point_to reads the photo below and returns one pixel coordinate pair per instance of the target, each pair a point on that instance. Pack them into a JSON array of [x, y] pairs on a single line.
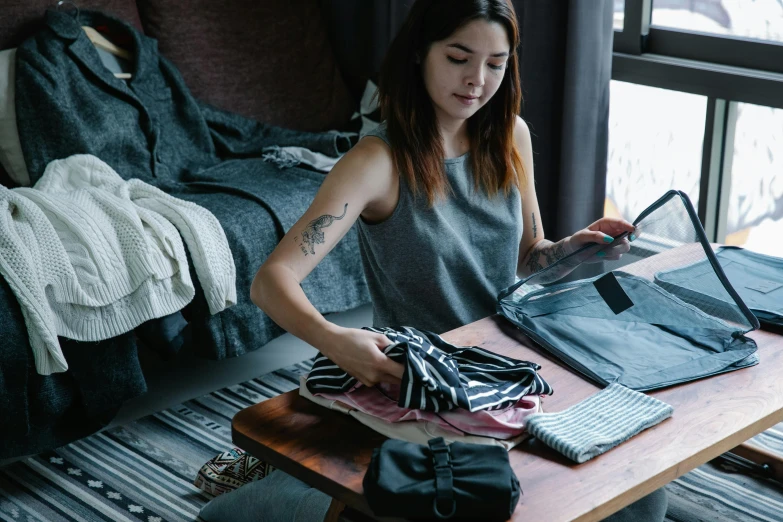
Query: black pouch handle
[[444, 505]]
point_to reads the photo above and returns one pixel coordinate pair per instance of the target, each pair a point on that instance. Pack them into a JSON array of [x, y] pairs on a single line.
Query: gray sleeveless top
[[442, 267]]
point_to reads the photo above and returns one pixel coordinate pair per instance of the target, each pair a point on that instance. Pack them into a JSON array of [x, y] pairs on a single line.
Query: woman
[[443, 193]]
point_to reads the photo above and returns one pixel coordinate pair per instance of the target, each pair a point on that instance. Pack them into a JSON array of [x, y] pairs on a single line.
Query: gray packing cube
[[758, 279], [612, 322]]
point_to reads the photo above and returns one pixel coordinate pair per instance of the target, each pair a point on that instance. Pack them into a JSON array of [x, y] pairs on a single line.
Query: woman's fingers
[[394, 369], [603, 233], [595, 237], [612, 226], [618, 247], [602, 238], [391, 379], [615, 251]]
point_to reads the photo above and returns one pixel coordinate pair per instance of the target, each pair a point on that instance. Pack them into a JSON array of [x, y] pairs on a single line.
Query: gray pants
[[651, 508], [282, 498], [278, 497]]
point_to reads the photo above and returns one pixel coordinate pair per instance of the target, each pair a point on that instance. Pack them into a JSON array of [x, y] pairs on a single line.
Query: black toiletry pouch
[[439, 481]]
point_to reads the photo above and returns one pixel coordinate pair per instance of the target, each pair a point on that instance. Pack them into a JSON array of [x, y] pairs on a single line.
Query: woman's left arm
[[535, 251]]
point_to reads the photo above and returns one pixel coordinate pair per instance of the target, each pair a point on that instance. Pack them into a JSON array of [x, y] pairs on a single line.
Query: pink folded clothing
[[381, 402]]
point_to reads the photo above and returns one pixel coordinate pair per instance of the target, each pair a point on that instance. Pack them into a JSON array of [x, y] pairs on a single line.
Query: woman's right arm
[[362, 182]]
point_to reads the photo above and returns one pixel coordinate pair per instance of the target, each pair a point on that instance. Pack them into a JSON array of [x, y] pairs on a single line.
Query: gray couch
[[269, 62]]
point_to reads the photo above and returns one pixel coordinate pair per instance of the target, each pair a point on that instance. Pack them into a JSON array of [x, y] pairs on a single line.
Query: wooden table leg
[[335, 510], [772, 463]]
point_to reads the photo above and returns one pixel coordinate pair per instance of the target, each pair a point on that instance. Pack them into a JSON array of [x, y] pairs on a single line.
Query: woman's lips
[[466, 100]]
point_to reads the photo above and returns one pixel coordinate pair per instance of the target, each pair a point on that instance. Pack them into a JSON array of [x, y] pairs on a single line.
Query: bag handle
[[444, 479]]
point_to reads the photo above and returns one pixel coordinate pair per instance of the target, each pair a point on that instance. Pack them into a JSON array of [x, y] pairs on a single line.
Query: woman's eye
[[454, 60], [497, 67]]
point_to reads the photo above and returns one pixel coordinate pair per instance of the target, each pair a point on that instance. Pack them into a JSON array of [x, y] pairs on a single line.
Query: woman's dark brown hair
[[406, 106]]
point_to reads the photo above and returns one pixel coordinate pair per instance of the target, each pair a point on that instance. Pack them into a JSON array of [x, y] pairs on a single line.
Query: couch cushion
[[21, 18], [270, 60]]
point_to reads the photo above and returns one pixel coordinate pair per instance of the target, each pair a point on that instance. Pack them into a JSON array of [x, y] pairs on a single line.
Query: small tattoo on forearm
[[532, 263], [553, 253], [549, 253], [535, 228], [313, 233]]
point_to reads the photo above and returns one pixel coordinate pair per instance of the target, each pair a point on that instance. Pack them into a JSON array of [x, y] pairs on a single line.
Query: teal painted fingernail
[[608, 239], [633, 236], [601, 254]]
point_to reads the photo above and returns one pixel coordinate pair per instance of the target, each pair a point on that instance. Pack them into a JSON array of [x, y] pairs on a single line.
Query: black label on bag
[[613, 293]]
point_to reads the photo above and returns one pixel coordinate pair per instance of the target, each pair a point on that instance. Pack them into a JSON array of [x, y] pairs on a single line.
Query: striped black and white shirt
[[440, 376]]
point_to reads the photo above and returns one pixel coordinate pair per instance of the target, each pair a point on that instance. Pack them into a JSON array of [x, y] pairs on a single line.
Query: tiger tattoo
[[313, 235]]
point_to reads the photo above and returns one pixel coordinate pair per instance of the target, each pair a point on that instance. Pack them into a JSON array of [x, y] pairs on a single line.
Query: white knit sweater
[[90, 256]]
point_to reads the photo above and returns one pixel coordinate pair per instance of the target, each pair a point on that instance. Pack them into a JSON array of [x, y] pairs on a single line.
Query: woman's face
[[464, 71]]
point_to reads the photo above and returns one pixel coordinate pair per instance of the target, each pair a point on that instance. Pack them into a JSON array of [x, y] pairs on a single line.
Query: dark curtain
[[565, 66], [360, 31]]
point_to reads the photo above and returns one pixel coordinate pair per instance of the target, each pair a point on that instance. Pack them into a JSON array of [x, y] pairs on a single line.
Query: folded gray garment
[[278, 497], [598, 423]]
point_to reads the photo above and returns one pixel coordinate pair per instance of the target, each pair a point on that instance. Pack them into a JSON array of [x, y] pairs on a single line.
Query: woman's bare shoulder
[[521, 133], [368, 165], [373, 150]]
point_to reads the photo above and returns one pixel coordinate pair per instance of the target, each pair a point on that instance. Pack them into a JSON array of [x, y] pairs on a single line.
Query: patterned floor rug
[[144, 471]]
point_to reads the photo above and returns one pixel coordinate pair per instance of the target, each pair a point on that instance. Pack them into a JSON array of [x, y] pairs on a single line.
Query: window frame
[[725, 69]]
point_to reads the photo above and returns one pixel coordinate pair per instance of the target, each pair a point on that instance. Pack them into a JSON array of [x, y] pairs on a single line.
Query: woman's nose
[[475, 77]]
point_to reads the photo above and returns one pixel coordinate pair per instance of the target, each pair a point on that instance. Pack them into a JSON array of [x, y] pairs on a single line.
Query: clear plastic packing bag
[[620, 324]]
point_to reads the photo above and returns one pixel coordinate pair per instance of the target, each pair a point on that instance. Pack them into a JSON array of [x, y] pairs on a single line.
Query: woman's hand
[[602, 232], [360, 353]]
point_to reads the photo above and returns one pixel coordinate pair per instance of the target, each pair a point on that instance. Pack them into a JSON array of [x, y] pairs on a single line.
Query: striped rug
[[144, 471]]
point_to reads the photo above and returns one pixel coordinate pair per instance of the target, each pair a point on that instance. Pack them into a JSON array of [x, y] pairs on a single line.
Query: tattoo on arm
[[533, 264], [535, 228], [550, 252], [313, 233], [546, 253], [553, 253]]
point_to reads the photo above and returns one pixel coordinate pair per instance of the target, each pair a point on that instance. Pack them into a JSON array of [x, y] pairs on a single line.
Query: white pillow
[[369, 112], [10, 148]]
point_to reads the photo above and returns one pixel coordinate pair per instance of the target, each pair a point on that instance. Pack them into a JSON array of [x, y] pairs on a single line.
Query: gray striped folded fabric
[[598, 423]]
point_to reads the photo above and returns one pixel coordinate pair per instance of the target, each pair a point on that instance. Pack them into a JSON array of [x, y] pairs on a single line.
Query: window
[[655, 145], [755, 203], [697, 105], [757, 19], [619, 14]]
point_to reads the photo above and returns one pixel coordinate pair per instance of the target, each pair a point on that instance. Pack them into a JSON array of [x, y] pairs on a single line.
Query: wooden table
[[331, 451]]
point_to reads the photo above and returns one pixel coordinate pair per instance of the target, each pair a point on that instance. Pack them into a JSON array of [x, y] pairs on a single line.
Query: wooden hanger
[[100, 41]]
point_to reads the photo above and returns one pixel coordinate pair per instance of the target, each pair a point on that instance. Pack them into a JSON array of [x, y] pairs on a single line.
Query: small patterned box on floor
[[230, 470]]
